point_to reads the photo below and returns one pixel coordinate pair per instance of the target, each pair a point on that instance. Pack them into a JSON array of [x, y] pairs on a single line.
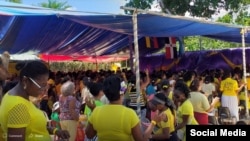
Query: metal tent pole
[[131, 54], [243, 32], [137, 69]]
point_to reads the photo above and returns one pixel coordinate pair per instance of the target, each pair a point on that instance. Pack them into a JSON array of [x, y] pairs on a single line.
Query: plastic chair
[[212, 120], [225, 116]]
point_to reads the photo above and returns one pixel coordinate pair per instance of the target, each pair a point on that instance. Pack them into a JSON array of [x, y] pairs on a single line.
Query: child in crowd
[[55, 120]]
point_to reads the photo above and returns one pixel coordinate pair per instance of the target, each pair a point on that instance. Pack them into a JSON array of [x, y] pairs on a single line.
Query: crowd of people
[[90, 105]]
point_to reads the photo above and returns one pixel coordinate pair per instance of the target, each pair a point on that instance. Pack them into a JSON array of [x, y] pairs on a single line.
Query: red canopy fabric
[[90, 59]]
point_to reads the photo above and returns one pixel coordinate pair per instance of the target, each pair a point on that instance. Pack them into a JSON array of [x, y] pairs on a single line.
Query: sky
[[100, 6]]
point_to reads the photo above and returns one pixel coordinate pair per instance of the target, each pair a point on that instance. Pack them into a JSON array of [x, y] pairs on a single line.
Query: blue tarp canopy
[[24, 28]]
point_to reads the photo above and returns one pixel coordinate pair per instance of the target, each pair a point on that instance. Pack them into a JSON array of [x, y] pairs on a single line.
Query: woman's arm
[[16, 134], [147, 81], [149, 130], [90, 131], [124, 77], [137, 134], [184, 122], [164, 136], [212, 105], [63, 134], [241, 87], [163, 120]]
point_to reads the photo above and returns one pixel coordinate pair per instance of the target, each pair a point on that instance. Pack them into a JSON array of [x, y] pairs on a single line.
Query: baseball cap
[[165, 84], [55, 106]]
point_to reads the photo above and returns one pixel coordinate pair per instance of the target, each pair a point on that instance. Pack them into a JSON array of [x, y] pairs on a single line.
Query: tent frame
[[243, 35]]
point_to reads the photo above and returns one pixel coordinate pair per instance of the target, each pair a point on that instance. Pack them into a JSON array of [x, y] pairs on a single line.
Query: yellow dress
[[17, 112]]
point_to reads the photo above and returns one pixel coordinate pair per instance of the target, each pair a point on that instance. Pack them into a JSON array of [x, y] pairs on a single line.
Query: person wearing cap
[[165, 129], [55, 120], [55, 115], [167, 89]]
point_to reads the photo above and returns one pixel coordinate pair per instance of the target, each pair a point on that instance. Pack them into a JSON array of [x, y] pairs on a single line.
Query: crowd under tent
[[72, 33]]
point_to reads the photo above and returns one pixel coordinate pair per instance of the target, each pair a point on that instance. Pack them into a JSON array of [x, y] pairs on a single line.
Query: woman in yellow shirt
[[20, 119], [230, 89], [185, 110], [164, 130], [118, 123], [200, 102]]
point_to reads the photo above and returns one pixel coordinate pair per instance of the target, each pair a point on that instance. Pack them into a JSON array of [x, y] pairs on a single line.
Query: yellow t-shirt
[[248, 83], [217, 105], [216, 80], [199, 101], [248, 103], [229, 87], [169, 124], [17, 112], [242, 96], [114, 122], [58, 89], [170, 95], [188, 83], [186, 108]]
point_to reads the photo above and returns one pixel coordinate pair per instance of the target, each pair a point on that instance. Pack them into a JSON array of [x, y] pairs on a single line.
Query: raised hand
[[62, 134], [90, 103]]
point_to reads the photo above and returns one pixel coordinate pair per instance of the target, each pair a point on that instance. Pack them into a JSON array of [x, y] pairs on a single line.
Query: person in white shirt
[[85, 93], [208, 87]]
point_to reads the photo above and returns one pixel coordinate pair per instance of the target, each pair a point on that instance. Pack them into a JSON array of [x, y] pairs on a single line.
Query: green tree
[[197, 8], [54, 4], [14, 1], [243, 18], [226, 19], [141, 4], [201, 8], [195, 43]]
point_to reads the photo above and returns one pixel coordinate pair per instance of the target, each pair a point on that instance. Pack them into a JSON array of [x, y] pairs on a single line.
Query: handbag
[[80, 135]]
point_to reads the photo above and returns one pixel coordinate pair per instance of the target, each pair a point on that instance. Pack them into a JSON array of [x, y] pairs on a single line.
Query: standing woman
[[200, 102], [69, 109], [20, 119], [230, 89], [113, 121], [185, 111]]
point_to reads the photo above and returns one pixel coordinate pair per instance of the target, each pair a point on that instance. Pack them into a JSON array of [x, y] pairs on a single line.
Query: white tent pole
[[243, 32], [137, 69], [131, 52]]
